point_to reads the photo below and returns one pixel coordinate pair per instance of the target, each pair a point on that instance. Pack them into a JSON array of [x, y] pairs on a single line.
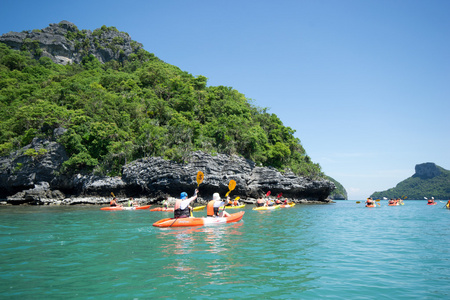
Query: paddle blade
[[200, 177], [279, 195], [237, 198], [378, 200], [357, 202], [232, 185], [268, 194], [112, 194]]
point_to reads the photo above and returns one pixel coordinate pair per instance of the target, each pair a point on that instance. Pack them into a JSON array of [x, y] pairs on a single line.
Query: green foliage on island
[[339, 193], [416, 188], [118, 112]]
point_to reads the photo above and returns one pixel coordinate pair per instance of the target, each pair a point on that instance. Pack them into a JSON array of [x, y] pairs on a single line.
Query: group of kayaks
[[396, 203], [194, 221], [274, 207]]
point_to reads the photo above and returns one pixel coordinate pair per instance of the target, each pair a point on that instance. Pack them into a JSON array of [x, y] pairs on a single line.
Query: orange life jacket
[[210, 208]]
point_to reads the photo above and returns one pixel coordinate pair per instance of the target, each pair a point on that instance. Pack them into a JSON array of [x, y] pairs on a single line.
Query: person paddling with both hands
[[182, 208]]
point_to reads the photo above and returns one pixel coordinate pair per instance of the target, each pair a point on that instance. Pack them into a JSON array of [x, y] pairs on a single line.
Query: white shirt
[[185, 203], [219, 203]]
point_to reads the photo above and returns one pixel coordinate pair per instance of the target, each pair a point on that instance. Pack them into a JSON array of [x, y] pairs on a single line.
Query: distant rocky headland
[[28, 179], [429, 180]]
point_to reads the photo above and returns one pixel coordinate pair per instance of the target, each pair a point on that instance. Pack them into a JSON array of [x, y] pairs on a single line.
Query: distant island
[[429, 180]]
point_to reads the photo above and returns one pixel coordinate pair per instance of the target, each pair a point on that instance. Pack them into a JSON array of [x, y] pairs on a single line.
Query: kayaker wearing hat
[[212, 209], [182, 208]]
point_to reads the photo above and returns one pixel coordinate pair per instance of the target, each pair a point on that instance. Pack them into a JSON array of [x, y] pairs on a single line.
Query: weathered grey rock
[[40, 194], [105, 45], [427, 170], [20, 171], [154, 175], [37, 180]]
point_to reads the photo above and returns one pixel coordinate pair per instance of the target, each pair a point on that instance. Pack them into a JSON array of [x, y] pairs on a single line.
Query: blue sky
[[365, 84]]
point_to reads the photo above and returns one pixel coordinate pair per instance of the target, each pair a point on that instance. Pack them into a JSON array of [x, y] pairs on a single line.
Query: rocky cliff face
[[64, 43], [427, 170], [35, 180]]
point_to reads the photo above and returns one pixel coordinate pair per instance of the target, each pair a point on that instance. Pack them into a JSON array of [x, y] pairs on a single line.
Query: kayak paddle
[[231, 187], [200, 177]]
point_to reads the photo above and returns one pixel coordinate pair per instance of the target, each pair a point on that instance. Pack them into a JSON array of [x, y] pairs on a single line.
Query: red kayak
[[125, 207], [188, 222], [433, 203], [162, 209]]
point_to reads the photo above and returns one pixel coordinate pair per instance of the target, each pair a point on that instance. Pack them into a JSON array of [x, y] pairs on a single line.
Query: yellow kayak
[[235, 207], [267, 207]]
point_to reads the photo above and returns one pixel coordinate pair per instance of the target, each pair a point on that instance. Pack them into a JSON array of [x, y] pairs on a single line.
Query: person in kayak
[[131, 202], [369, 201], [431, 201], [235, 202], [182, 208], [259, 202], [213, 206], [114, 203], [165, 203]]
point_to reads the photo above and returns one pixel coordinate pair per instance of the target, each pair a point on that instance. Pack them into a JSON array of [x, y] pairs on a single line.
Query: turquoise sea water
[[337, 251]]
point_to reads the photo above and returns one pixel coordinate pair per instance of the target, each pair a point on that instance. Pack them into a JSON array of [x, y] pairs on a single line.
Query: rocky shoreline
[[149, 180], [104, 201]]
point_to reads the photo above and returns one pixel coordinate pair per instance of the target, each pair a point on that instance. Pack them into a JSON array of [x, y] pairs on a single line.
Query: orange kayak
[[433, 203], [125, 207], [162, 209], [188, 222]]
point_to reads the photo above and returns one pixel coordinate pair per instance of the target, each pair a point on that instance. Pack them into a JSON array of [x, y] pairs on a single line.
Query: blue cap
[[183, 195]]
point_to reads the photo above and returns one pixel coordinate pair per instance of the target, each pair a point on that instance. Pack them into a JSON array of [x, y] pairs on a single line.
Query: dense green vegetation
[[339, 191], [121, 111], [417, 188]]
